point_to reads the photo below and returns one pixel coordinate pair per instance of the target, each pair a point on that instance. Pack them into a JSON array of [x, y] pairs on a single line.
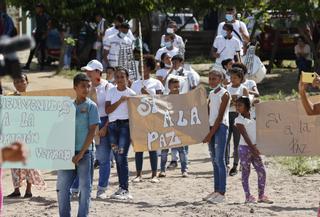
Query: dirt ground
[[173, 196]]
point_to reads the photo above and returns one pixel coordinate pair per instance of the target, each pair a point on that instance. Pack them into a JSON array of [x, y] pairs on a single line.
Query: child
[[118, 128], [165, 67], [249, 152], [150, 86], [226, 65], [87, 120], [174, 88], [110, 74], [31, 176], [235, 89], [219, 100]]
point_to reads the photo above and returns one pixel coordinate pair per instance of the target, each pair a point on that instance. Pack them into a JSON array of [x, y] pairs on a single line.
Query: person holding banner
[[118, 128], [87, 120], [174, 86], [311, 108], [100, 87], [15, 152], [219, 100], [148, 86], [31, 176]]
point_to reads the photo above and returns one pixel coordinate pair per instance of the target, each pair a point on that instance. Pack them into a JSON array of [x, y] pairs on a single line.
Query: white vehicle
[[179, 18]]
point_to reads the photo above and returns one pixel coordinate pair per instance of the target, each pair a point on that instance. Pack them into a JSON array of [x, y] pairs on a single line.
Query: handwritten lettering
[[296, 147], [28, 138], [273, 118], [53, 154]]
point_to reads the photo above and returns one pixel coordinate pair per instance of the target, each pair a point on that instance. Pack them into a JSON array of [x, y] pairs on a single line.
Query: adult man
[[42, 20], [240, 30], [101, 28], [113, 44], [119, 19], [226, 46], [177, 41]]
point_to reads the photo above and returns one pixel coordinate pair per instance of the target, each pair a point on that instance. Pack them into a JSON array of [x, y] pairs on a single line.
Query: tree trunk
[[273, 51]]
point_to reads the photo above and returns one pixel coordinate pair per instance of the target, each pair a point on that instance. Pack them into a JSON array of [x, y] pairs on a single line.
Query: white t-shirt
[[227, 48], [214, 106], [178, 41], [162, 72], [249, 84], [235, 92], [113, 44], [112, 30], [121, 112], [250, 125], [304, 50], [236, 26], [101, 91], [162, 50], [152, 85]]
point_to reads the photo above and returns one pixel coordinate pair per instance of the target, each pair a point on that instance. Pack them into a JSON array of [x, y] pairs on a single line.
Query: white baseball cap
[[93, 65]]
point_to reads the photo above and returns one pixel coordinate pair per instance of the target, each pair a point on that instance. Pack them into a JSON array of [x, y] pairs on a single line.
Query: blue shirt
[[86, 115]]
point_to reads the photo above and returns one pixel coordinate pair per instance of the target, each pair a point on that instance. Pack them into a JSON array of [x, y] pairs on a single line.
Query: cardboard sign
[[285, 129], [45, 124], [55, 92], [161, 122]]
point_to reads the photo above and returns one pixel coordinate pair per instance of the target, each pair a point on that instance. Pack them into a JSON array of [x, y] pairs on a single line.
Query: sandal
[[14, 195]]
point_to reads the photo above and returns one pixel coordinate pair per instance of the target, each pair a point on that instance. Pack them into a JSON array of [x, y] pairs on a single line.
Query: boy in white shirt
[[178, 41], [240, 30], [112, 45], [226, 46], [168, 48]]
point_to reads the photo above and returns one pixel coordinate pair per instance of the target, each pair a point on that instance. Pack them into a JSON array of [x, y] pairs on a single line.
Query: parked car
[[180, 18]]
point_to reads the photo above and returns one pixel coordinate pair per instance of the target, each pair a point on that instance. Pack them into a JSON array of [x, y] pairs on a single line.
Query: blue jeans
[[174, 153], [64, 183], [217, 148], [103, 151], [119, 139], [182, 154], [153, 161], [67, 56]]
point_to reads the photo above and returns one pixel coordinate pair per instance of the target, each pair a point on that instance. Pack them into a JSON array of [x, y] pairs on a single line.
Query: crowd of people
[[102, 116]]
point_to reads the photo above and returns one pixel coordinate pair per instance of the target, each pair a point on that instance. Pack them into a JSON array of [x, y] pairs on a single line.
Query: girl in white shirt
[[219, 100], [236, 89], [118, 129], [165, 67], [248, 151]]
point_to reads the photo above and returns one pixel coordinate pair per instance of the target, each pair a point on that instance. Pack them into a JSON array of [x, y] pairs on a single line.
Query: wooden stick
[[141, 53]]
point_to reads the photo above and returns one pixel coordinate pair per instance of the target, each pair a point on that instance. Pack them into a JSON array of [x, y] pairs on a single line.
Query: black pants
[[40, 44], [236, 139]]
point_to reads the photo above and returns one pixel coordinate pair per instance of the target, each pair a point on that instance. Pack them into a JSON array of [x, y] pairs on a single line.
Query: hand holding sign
[[16, 152]]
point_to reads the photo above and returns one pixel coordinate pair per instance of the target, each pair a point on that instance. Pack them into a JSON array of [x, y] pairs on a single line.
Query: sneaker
[[137, 179], [211, 195], [172, 165], [185, 175], [101, 194], [162, 174], [112, 164], [233, 171], [251, 199], [123, 195], [219, 198], [96, 164], [115, 194], [155, 180], [265, 199]]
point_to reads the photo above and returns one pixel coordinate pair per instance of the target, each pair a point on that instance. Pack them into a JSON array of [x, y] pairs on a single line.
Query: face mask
[[168, 44], [229, 17], [224, 33], [168, 66], [122, 35], [170, 30]]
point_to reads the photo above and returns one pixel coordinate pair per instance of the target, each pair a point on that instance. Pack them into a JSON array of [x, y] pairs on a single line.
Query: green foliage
[[70, 41], [68, 73], [300, 166]]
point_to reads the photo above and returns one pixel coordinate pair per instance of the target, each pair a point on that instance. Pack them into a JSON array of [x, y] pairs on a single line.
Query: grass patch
[[300, 166], [200, 60]]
